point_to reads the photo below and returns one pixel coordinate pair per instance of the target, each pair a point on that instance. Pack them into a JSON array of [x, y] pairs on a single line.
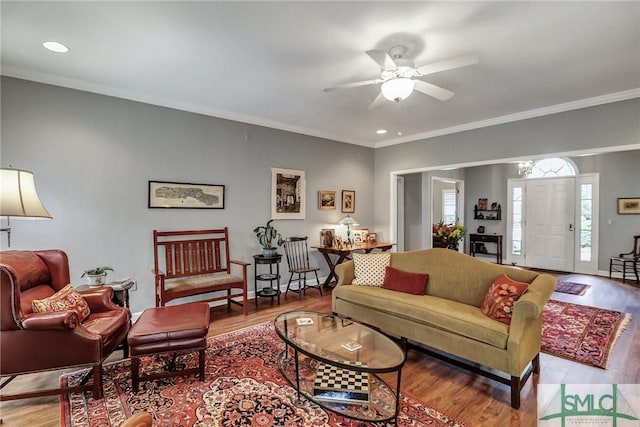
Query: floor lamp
[[18, 198]]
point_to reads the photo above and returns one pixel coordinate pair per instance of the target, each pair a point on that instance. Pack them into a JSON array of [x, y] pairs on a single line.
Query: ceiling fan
[[399, 76]]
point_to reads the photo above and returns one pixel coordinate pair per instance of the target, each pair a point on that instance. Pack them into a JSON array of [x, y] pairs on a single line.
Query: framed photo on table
[[348, 201], [360, 235]]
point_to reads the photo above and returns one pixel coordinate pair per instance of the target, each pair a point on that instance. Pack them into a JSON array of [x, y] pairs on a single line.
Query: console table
[[343, 254], [475, 239]]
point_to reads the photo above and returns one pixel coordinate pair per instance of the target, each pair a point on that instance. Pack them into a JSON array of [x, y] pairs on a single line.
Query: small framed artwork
[[178, 195], [287, 194], [326, 237], [360, 235], [326, 200], [629, 206], [348, 201], [373, 237]]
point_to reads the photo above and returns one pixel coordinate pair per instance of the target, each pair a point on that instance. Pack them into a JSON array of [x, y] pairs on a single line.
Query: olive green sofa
[[448, 316]]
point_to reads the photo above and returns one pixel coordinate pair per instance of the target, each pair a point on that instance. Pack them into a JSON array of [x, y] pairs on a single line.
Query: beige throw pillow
[[370, 268]]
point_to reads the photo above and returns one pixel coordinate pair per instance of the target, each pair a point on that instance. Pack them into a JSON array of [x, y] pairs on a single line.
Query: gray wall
[[93, 155], [608, 126]]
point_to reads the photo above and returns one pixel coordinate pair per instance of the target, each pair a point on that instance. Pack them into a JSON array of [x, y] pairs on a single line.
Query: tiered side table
[[270, 291]]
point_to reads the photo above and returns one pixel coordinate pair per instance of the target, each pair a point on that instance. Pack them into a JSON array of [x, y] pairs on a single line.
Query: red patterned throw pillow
[[502, 296], [404, 281], [65, 299]]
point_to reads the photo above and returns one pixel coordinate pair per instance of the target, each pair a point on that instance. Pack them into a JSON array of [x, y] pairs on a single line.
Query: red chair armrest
[[99, 299], [50, 320]]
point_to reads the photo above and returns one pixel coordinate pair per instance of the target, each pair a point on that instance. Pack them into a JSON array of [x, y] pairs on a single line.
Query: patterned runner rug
[[243, 386], [580, 333], [572, 288]]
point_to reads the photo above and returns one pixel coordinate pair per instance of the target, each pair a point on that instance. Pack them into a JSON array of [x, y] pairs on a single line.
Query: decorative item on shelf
[[449, 234], [96, 276], [483, 203], [349, 221], [481, 229], [18, 198], [267, 236]]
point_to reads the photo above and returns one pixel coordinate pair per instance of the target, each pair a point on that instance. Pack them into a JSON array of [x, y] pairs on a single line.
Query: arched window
[[551, 167]]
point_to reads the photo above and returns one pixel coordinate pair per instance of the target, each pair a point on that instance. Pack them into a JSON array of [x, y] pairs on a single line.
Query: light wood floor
[[471, 398]]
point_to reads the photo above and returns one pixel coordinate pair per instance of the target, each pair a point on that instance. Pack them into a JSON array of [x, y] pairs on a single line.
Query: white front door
[[549, 230]]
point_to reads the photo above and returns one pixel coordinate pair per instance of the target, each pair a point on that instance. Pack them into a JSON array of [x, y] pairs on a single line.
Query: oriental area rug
[[572, 288], [243, 387], [580, 333]]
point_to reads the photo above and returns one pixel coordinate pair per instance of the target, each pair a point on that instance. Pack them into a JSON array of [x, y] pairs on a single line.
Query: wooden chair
[[297, 253], [627, 262], [197, 262]]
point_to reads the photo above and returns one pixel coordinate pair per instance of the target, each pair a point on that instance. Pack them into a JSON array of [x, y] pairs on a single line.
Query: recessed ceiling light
[[381, 131], [56, 47]]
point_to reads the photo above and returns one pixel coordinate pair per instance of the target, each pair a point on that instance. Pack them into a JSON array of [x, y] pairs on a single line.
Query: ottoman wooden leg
[[135, 370], [201, 359]]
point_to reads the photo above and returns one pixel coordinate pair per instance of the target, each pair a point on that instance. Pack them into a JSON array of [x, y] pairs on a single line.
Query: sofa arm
[[346, 273], [50, 320], [531, 304]]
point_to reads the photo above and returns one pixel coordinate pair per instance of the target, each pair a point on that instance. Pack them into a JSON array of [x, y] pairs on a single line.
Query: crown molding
[[509, 118]]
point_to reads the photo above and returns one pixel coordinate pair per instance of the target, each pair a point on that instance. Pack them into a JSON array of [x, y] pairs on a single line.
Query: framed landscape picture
[[326, 200], [629, 206], [180, 195], [348, 201], [287, 194]]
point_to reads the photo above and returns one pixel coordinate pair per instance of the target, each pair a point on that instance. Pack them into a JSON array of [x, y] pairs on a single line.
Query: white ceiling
[[267, 62]]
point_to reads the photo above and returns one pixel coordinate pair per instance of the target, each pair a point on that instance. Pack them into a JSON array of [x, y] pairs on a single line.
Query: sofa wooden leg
[[536, 364], [515, 392], [202, 364]]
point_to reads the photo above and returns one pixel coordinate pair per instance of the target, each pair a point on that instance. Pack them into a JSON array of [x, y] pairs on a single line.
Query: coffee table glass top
[[332, 338]]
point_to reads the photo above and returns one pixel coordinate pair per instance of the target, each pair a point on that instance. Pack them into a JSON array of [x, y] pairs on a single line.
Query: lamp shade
[[349, 221], [18, 196], [397, 89]]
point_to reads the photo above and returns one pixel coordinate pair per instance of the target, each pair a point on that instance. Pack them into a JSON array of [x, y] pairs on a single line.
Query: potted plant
[[96, 276], [266, 235]]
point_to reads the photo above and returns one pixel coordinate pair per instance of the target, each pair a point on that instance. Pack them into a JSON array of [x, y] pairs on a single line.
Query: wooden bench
[[196, 262]]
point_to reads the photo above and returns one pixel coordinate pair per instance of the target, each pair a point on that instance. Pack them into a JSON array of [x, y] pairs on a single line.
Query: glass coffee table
[[335, 362]]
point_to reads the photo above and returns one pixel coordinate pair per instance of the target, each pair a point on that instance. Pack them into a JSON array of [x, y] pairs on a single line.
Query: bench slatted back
[[190, 253]]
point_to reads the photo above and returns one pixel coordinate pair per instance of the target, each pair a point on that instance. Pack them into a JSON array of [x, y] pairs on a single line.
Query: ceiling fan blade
[[383, 59], [432, 90], [353, 84], [380, 99], [448, 64]]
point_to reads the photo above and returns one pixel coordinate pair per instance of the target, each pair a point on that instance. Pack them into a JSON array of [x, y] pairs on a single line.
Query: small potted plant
[[268, 237], [97, 275]]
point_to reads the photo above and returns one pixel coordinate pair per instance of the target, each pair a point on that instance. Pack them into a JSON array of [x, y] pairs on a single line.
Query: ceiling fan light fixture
[[397, 89]]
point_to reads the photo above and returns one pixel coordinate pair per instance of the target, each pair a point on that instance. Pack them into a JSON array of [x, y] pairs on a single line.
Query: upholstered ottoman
[[169, 329]]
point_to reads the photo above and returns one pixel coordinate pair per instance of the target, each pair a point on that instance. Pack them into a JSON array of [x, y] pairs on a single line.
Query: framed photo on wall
[[326, 200], [287, 194], [348, 201], [179, 195], [629, 206]]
